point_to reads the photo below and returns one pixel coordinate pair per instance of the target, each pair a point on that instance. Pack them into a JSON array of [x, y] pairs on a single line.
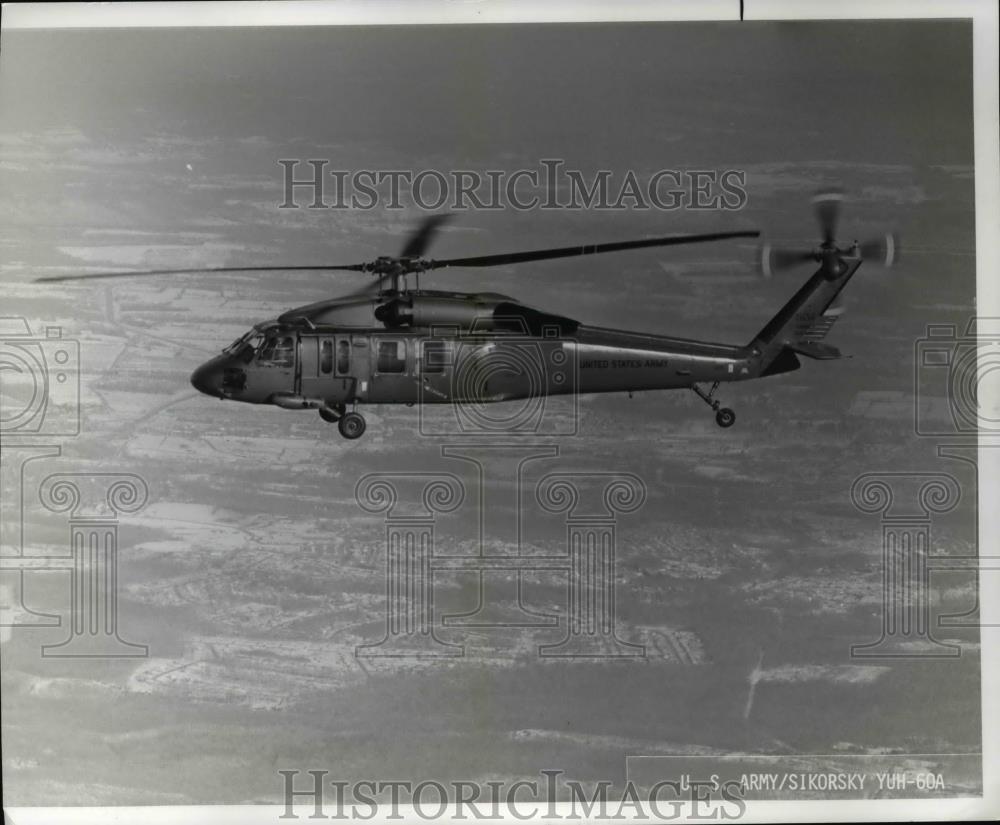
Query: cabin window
[[279, 352], [391, 356], [434, 356], [326, 356], [343, 356]]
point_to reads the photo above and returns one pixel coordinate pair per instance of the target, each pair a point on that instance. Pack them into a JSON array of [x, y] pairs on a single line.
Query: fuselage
[[441, 348]]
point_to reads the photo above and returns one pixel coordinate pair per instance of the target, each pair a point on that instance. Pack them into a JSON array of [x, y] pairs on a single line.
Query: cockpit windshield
[[245, 346], [268, 347]]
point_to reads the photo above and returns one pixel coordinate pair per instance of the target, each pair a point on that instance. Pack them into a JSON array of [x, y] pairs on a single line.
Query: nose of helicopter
[[208, 378]]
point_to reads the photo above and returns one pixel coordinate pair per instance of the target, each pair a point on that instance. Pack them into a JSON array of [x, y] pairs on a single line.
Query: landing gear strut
[[332, 414], [724, 416]]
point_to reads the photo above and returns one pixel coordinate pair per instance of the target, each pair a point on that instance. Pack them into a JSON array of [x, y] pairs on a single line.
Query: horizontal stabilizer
[[814, 349]]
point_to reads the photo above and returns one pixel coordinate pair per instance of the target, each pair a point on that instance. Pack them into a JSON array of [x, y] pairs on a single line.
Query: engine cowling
[[480, 313], [437, 311]]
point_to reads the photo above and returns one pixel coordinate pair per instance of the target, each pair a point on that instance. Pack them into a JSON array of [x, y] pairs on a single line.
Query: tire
[[328, 415], [352, 425], [725, 417]]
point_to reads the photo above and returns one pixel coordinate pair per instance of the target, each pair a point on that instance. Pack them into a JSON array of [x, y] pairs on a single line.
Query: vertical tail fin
[[803, 322]]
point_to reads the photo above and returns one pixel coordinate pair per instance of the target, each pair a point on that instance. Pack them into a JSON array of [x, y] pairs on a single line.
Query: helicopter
[[396, 343]]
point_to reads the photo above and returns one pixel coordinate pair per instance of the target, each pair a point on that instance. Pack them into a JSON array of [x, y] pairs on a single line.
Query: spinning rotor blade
[[774, 260], [421, 239], [827, 206], [199, 271], [386, 268], [884, 250], [590, 249]]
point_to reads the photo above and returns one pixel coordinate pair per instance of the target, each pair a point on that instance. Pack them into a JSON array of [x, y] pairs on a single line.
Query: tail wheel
[[725, 417], [352, 425]]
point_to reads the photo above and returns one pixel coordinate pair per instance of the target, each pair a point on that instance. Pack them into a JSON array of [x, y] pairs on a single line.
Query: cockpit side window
[[267, 351], [278, 351]]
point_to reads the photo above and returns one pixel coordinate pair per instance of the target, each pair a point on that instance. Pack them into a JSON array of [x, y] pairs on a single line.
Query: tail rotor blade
[[774, 260], [884, 250], [827, 206]]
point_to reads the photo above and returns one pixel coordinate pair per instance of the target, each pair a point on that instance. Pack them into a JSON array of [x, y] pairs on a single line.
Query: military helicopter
[[396, 343]]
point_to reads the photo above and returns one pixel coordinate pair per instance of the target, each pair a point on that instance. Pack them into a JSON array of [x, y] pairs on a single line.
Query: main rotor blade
[[199, 271], [827, 206], [590, 249], [422, 237]]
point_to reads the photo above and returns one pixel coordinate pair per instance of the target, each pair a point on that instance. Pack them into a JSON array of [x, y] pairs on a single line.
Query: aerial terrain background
[[252, 573]]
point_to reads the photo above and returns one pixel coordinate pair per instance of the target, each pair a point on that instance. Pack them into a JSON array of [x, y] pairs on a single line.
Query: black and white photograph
[[466, 413]]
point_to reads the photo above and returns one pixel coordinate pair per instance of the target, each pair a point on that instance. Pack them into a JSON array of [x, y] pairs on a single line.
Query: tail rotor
[[883, 250]]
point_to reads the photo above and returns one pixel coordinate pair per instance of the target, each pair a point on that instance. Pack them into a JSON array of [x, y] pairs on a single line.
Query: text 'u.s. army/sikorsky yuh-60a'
[[395, 343]]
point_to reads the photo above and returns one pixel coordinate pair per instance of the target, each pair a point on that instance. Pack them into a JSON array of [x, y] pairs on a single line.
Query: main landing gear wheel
[[725, 417], [352, 425], [330, 416]]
